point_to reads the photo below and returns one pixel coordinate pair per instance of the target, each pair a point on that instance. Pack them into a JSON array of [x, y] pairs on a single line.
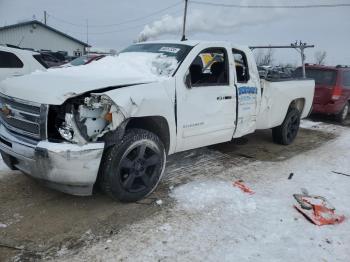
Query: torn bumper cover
[[66, 167]]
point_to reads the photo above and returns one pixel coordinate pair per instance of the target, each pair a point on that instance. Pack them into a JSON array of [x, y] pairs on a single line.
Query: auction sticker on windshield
[[173, 50]]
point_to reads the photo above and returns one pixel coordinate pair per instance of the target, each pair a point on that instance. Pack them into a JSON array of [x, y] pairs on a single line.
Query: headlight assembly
[[88, 119]]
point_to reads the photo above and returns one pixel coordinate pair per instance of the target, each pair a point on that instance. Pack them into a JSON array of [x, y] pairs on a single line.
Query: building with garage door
[[41, 37]]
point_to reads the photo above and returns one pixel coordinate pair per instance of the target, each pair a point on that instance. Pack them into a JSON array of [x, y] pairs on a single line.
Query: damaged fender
[[145, 100]]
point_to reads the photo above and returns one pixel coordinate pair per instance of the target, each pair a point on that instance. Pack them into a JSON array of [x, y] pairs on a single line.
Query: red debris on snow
[[318, 210], [243, 187]]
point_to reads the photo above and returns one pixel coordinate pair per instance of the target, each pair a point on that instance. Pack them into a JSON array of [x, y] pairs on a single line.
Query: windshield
[[321, 76], [165, 57]]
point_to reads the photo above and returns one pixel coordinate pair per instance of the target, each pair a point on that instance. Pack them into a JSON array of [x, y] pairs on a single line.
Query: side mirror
[[187, 80]]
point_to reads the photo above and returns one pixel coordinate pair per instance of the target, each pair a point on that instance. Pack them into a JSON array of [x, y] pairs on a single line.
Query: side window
[[241, 65], [210, 68], [346, 79], [9, 60]]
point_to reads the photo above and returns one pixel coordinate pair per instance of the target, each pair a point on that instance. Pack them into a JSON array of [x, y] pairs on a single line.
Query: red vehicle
[[332, 89]]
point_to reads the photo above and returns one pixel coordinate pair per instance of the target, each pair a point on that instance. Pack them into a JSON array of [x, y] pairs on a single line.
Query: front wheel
[[288, 130], [132, 169]]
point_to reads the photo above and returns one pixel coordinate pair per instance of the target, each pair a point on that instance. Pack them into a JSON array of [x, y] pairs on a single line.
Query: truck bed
[[276, 97]]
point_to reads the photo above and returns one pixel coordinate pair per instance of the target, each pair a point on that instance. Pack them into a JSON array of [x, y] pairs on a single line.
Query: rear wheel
[[287, 132], [132, 169], [343, 114]]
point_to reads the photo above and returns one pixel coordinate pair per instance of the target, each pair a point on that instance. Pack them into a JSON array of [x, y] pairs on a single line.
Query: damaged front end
[[68, 156], [84, 119]]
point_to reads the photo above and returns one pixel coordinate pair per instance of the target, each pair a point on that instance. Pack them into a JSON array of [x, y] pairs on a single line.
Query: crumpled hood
[[53, 90], [55, 86]]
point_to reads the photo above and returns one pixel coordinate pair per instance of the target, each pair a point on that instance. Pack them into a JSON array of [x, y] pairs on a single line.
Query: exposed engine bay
[[84, 119]]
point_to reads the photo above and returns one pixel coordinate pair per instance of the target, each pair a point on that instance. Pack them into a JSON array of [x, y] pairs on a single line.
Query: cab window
[[241, 64], [210, 68]]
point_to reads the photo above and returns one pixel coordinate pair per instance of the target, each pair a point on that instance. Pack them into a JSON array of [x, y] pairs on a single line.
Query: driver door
[[206, 101]]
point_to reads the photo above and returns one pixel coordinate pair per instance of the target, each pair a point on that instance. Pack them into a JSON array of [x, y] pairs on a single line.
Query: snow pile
[[210, 20], [310, 124], [209, 195], [214, 221], [146, 66]]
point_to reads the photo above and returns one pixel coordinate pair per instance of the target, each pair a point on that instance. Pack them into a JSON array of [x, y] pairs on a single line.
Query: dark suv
[[332, 90]]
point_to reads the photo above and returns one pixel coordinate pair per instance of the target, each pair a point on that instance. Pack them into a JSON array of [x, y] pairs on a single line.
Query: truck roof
[[187, 42], [194, 43]]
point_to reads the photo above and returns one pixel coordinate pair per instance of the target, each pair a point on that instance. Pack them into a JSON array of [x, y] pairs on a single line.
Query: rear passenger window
[[241, 65], [9, 60], [346, 79], [210, 68]]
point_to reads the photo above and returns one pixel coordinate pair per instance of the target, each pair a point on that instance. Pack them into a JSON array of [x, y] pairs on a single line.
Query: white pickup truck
[[114, 122]]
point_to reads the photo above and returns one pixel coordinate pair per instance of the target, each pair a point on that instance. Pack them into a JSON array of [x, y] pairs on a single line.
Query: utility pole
[[299, 47], [302, 46], [184, 22], [45, 17]]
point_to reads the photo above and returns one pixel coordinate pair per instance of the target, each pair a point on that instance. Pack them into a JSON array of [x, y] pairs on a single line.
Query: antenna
[[20, 42], [184, 23], [45, 17]]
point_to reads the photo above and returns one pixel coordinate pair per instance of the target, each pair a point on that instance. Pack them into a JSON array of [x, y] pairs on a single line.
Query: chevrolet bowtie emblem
[[6, 111]]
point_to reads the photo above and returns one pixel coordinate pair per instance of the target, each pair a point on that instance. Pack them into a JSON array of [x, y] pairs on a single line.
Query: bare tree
[[320, 57], [264, 58]]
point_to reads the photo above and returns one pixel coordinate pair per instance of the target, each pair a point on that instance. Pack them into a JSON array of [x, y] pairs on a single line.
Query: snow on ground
[[309, 124], [209, 219]]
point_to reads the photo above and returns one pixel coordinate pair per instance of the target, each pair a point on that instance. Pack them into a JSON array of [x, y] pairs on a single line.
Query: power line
[[271, 6], [119, 30], [120, 23]]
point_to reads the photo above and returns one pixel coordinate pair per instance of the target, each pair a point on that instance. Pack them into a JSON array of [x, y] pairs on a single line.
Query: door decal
[[247, 95]]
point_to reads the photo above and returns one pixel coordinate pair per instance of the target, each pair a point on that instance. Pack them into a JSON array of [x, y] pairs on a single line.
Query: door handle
[[224, 97]]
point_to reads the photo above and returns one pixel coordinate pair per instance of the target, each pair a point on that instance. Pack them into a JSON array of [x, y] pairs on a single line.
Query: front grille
[[23, 118]]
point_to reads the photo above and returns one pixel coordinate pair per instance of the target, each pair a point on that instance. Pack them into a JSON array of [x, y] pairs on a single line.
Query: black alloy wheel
[[132, 169], [293, 127], [139, 167], [288, 130]]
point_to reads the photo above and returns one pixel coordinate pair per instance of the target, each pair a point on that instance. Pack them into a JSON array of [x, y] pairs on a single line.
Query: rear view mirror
[[187, 80]]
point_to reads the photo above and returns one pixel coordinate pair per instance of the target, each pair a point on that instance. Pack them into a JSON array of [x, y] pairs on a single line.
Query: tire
[[132, 169], [288, 130], [341, 117], [8, 160]]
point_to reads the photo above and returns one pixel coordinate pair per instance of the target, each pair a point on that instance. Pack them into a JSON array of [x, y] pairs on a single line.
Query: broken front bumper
[[66, 167]]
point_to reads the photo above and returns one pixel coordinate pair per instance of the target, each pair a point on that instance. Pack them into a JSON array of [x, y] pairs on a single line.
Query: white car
[[115, 120], [17, 62]]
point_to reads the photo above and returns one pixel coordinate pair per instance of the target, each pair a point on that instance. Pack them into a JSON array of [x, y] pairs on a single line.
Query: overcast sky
[[327, 28]]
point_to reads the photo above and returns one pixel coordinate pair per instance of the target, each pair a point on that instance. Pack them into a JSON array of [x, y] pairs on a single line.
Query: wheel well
[[155, 124], [298, 103]]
